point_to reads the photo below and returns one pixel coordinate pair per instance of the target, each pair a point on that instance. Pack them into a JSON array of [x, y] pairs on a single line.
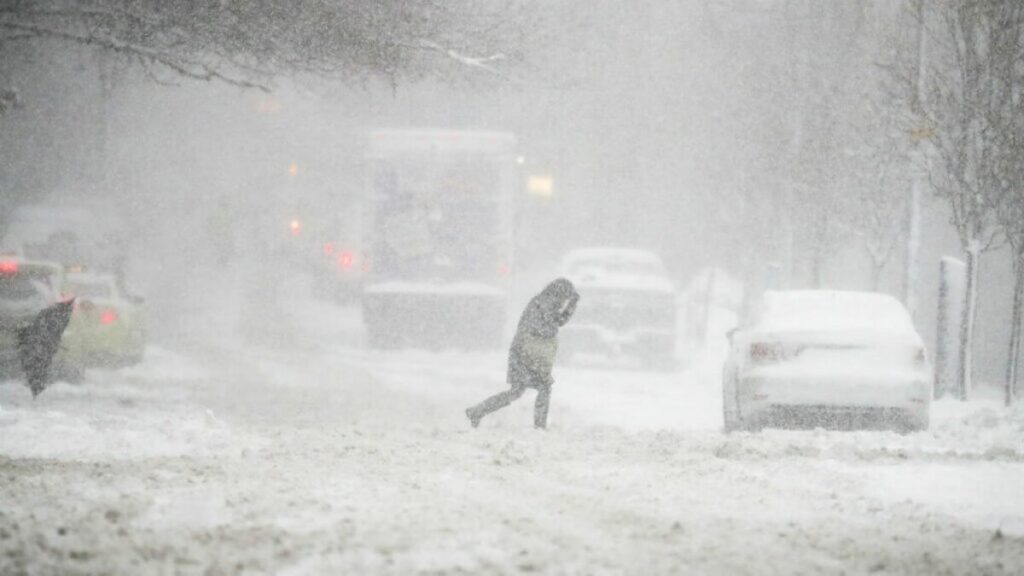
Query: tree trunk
[[967, 325], [1015, 331]]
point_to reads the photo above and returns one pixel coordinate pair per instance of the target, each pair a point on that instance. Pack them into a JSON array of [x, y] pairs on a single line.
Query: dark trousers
[[502, 399]]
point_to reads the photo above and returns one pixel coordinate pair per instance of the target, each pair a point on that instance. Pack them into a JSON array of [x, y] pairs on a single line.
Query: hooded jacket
[[38, 342], [533, 350]]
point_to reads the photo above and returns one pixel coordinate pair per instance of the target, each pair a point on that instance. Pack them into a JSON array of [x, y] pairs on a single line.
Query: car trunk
[[836, 372]]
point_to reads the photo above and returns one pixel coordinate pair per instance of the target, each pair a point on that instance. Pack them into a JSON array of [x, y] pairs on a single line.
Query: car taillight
[[296, 227], [504, 270], [346, 259], [766, 352], [8, 267], [328, 248], [108, 317]]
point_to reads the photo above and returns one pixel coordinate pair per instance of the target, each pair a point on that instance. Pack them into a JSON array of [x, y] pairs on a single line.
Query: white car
[[627, 307], [827, 359]]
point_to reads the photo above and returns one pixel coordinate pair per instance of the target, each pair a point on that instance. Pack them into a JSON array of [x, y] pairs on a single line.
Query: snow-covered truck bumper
[[835, 400]]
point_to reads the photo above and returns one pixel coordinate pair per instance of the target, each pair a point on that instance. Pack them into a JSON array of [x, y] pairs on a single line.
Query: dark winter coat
[[38, 343], [533, 350]]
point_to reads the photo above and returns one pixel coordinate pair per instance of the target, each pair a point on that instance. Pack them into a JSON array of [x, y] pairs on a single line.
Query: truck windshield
[[438, 218]]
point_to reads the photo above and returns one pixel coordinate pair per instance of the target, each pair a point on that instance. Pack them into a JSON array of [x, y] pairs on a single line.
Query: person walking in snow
[[532, 354], [39, 341]]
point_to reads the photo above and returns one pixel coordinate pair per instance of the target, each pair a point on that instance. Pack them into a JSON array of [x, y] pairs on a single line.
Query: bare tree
[[1009, 121], [877, 152], [252, 44], [249, 43], [967, 99], [879, 199], [1011, 220]]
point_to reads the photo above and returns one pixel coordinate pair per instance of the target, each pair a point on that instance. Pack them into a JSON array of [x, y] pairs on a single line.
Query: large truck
[[438, 239]]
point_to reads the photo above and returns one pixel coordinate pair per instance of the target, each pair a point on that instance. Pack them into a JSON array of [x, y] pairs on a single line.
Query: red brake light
[[328, 248], [346, 259], [296, 227], [504, 270], [8, 267], [108, 317]]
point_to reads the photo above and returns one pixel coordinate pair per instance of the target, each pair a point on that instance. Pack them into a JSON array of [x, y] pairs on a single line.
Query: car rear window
[[832, 311], [21, 287]]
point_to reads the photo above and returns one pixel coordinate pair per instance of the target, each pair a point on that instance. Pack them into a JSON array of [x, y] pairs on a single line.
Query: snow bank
[[33, 431], [978, 494], [141, 412]]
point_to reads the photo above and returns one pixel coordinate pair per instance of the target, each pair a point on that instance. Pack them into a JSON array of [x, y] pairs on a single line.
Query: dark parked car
[[627, 308]]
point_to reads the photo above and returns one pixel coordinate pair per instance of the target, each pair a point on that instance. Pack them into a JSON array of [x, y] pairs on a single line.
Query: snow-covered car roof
[[90, 278], [867, 314], [613, 268]]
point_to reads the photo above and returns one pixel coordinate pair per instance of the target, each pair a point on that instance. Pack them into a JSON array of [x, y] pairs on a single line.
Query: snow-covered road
[[313, 456]]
